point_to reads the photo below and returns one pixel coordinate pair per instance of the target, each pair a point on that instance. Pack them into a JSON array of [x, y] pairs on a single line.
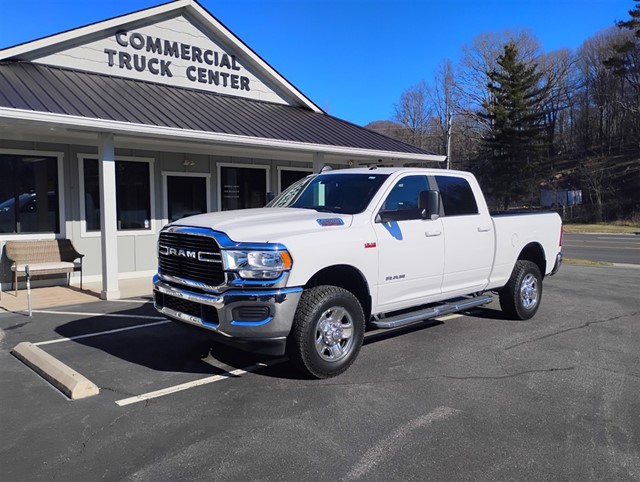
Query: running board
[[439, 310]]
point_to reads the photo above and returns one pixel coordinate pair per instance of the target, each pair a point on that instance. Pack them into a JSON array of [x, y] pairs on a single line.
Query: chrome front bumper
[[236, 313]]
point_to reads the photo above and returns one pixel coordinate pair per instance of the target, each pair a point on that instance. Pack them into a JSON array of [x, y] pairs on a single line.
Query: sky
[[352, 58]]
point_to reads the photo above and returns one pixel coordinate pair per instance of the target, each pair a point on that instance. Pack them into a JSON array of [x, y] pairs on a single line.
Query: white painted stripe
[[387, 447], [111, 315], [133, 301], [448, 317], [89, 335], [196, 383]]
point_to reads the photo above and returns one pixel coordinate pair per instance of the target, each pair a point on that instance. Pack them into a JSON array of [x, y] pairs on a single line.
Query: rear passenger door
[[468, 235]]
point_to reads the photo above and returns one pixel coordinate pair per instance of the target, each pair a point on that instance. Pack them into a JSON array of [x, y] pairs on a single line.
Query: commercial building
[[110, 131]]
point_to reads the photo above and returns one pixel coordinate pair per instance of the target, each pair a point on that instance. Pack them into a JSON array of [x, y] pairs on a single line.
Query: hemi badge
[[330, 222], [369, 245]]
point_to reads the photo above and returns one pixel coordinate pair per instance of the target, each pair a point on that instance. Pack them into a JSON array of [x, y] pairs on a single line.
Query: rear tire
[[327, 332], [520, 298]]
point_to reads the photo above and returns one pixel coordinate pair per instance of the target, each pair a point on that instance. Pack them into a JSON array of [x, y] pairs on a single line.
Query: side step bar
[[431, 312]]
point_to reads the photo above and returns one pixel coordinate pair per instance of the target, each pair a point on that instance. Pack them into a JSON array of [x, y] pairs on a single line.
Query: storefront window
[[289, 176], [242, 187], [186, 196], [29, 194], [133, 195]]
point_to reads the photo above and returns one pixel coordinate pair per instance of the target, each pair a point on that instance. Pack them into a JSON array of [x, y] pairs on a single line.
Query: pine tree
[[514, 142]]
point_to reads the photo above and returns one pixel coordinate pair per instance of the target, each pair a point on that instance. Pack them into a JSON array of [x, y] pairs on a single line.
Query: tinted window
[[405, 194], [243, 187], [28, 194], [186, 196], [133, 195], [288, 178], [457, 196]]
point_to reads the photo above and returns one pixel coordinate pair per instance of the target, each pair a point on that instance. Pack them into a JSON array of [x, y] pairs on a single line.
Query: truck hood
[[267, 224]]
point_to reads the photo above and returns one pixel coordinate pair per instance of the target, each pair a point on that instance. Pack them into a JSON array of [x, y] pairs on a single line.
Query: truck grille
[[190, 257]]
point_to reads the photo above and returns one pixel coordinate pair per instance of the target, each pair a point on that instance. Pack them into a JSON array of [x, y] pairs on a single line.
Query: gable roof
[[92, 100], [191, 9], [34, 90]]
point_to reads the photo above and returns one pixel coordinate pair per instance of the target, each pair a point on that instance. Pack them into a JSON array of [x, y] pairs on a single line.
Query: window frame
[[220, 165], [411, 214], [63, 229], [443, 211], [165, 190], [120, 232]]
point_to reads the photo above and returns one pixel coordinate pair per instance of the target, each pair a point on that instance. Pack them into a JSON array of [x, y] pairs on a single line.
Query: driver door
[[410, 250]]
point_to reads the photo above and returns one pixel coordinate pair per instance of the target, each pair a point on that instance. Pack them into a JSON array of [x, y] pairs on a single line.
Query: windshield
[[333, 193]]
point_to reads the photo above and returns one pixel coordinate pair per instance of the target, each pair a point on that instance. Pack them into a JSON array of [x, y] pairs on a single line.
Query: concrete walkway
[[42, 298]]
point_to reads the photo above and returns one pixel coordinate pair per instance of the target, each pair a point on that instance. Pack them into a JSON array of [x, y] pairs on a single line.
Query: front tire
[[520, 298], [327, 332]]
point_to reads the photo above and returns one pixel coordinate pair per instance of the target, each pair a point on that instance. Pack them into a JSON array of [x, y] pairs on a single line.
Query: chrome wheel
[[327, 331], [529, 291], [334, 334], [520, 298]]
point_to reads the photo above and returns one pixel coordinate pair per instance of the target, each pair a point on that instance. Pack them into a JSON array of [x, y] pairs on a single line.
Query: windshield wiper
[[327, 209]]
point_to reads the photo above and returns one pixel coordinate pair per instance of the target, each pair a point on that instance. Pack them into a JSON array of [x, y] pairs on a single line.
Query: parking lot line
[[448, 317], [132, 301], [197, 383], [89, 335], [112, 315]]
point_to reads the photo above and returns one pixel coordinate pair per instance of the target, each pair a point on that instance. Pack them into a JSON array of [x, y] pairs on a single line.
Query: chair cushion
[[44, 266]]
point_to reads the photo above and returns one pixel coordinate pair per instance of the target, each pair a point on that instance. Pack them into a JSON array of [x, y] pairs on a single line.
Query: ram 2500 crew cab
[[347, 250]]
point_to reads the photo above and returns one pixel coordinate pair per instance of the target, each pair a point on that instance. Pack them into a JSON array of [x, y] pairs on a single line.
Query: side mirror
[[429, 204]]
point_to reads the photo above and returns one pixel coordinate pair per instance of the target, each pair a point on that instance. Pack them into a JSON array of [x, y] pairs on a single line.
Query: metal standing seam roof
[[46, 89]]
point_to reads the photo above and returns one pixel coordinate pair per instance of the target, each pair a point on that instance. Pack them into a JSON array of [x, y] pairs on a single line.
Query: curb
[[64, 378]]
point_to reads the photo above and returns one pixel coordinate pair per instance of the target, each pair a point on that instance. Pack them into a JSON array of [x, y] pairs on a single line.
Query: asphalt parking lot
[[473, 397]]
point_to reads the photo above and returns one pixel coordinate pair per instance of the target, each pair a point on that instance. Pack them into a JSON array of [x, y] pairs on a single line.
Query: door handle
[[484, 229], [431, 234]]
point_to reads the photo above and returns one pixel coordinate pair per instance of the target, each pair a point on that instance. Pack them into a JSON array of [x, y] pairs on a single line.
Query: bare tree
[[602, 116], [444, 99], [557, 70], [596, 178], [413, 113], [625, 63]]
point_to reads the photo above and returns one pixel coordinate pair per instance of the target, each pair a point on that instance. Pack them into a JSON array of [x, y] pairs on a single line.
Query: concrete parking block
[[64, 378]]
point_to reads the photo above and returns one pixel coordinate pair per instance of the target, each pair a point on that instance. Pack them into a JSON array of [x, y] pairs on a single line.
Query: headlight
[[257, 264]]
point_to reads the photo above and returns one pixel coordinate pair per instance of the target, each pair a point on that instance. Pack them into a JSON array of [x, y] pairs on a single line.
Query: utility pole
[[449, 128]]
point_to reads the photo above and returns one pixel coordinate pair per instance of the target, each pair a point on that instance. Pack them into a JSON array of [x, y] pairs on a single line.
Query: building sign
[[174, 52], [155, 55]]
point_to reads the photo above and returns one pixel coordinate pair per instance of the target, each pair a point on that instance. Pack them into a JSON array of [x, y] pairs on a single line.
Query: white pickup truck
[[348, 250]]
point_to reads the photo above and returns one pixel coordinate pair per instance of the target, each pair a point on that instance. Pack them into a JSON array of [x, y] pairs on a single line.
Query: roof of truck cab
[[393, 170]]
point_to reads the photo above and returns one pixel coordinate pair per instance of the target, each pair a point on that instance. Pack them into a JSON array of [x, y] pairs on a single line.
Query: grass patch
[[602, 228], [585, 262]]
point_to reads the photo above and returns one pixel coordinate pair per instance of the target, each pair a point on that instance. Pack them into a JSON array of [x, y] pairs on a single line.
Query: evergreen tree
[[513, 145]]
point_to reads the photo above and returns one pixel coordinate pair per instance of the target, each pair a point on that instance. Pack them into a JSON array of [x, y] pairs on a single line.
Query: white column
[[318, 161], [108, 217]]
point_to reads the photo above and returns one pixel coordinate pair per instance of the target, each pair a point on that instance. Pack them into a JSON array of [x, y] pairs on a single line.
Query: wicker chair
[[43, 257]]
